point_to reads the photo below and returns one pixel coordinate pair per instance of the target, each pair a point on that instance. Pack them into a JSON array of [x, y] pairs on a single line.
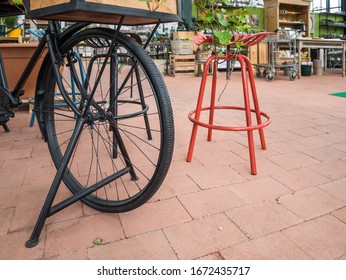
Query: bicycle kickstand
[[6, 128]]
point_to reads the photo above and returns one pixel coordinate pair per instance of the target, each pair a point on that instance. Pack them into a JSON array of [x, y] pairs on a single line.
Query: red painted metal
[[247, 76]]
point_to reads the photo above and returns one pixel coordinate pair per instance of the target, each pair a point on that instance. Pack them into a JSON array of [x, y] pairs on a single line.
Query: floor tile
[[148, 246], [212, 257], [273, 246], [340, 214], [293, 160], [153, 216], [36, 175], [265, 167], [336, 188], [80, 233], [324, 153], [327, 241], [204, 236], [333, 169], [311, 203], [174, 186], [13, 247], [216, 177], [300, 178], [29, 206], [77, 254], [259, 190], [291, 146], [210, 201], [6, 215], [262, 218], [13, 178], [16, 154]]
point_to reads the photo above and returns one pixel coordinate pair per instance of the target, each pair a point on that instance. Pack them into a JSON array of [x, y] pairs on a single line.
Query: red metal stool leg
[[199, 107], [212, 101], [247, 105], [255, 101]]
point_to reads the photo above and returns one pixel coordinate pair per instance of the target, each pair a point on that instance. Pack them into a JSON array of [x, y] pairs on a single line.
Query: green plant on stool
[[222, 20]]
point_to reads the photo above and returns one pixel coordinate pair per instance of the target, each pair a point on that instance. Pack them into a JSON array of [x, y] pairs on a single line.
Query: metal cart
[[282, 55]]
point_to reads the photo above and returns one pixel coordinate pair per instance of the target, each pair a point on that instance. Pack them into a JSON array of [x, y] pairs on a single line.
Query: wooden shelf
[[291, 22], [292, 14]]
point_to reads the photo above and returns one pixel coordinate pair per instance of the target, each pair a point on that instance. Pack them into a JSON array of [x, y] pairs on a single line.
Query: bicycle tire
[[142, 115]]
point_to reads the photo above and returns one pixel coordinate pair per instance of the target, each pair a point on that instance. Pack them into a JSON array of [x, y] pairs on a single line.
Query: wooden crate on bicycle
[[105, 11]]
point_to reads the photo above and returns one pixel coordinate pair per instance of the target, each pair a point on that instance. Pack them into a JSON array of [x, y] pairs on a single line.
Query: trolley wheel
[[258, 73], [269, 76], [293, 75]]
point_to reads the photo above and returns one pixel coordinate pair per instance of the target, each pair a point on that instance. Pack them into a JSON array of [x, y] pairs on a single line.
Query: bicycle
[[112, 140]]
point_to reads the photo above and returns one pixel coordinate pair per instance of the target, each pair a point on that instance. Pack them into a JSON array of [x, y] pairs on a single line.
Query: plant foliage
[[221, 18]]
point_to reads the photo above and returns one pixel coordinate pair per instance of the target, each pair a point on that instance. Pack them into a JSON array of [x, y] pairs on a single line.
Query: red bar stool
[[247, 75]]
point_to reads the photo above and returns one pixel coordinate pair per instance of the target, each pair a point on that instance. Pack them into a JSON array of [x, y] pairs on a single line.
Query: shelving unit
[[291, 14], [332, 25], [40, 24]]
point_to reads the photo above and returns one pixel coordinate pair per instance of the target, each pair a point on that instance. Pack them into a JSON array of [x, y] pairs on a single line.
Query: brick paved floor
[[212, 207]]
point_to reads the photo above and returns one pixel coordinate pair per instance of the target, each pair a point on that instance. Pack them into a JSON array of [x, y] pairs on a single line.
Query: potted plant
[[11, 23]]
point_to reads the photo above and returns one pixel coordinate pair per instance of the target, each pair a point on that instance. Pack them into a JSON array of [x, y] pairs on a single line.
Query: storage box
[[15, 57], [103, 11]]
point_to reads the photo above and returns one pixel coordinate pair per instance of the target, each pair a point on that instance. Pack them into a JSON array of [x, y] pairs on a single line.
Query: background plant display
[[10, 21]]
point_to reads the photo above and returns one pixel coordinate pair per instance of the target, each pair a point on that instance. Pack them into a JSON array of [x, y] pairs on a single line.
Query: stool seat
[[247, 39], [247, 76]]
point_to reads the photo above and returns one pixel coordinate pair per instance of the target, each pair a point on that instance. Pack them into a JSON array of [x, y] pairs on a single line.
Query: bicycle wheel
[[126, 144]]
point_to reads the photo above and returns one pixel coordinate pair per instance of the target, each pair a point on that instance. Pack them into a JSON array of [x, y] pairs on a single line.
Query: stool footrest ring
[[229, 128]]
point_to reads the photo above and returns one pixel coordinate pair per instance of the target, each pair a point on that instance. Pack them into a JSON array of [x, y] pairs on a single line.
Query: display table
[[321, 44], [15, 57]]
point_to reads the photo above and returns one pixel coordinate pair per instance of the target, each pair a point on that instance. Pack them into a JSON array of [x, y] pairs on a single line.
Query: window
[[327, 6]]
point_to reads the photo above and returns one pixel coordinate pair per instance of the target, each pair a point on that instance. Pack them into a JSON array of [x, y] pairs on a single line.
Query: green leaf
[[209, 17], [223, 37], [227, 2], [97, 241], [221, 19]]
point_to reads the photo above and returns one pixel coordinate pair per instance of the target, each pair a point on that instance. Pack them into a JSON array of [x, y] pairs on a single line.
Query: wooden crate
[[103, 11], [201, 58], [258, 54], [181, 65], [186, 35]]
